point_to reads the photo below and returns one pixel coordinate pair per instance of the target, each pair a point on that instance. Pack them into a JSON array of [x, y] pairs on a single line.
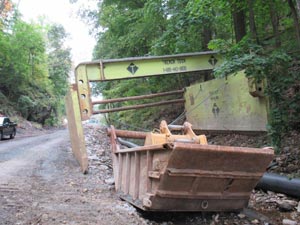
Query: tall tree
[[59, 59], [298, 6], [295, 19], [239, 20], [252, 24], [275, 22]]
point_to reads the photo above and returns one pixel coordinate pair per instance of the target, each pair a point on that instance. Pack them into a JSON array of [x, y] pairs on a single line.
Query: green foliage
[[59, 59], [25, 105], [33, 79], [6, 107], [24, 61]]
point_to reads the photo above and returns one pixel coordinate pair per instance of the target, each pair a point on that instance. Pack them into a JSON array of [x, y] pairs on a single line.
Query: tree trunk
[[298, 7], [253, 30], [239, 22], [275, 23], [295, 19], [206, 35]]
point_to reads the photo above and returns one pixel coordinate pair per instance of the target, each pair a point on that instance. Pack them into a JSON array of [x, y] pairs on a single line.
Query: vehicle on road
[[7, 128]]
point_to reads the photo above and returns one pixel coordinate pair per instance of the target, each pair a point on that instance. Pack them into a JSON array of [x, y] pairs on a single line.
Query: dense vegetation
[[34, 67], [262, 37]]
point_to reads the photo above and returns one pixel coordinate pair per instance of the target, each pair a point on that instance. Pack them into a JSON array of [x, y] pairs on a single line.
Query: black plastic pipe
[[127, 143], [281, 184]]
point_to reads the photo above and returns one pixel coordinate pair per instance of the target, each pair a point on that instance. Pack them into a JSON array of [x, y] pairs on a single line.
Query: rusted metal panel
[[168, 175], [126, 133], [141, 106], [105, 101], [75, 128]]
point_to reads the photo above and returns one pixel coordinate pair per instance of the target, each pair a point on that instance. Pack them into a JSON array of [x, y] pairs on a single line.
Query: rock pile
[[99, 153]]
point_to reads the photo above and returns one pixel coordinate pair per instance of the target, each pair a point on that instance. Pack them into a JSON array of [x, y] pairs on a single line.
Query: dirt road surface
[[41, 183]]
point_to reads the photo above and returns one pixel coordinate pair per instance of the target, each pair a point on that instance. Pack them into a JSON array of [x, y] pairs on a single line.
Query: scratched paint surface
[[148, 66], [156, 66], [225, 104]]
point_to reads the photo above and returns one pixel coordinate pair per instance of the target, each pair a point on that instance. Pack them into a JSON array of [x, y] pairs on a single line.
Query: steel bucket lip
[[220, 148]]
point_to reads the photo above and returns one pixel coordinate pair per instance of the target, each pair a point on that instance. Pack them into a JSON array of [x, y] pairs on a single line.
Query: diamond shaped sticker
[[132, 68], [213, 61]]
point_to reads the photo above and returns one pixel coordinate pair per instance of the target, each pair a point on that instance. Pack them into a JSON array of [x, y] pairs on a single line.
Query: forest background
[[260, 37]]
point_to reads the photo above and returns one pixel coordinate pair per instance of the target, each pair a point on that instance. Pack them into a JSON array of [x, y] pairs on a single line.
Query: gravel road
[[41, 183]]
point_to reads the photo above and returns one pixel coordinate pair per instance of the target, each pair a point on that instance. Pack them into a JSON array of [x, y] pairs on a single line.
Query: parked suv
[[7, 128]]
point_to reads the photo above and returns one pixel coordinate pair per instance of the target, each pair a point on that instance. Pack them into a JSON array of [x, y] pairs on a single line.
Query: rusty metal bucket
[[184, 173]]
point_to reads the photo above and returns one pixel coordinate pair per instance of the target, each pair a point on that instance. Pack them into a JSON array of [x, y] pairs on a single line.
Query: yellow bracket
[[115, 69], [75, 128], [165, 135]]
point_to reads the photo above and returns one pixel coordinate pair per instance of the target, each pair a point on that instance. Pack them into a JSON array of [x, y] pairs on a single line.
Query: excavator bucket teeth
[[178, 173]]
